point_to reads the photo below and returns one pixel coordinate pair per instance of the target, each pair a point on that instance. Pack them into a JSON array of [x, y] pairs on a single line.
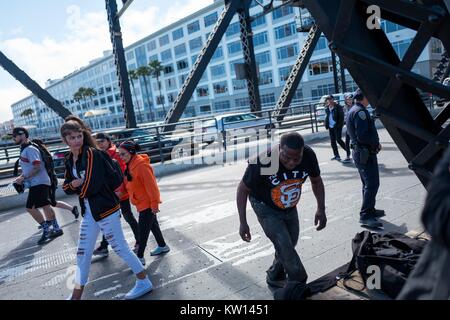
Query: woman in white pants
[[88, 173]]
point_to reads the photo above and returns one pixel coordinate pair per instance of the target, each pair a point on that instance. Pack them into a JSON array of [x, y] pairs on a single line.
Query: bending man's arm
[[319, 192], [241, 201]]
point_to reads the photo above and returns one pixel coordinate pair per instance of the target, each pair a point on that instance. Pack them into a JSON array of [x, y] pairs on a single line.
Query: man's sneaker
[[44, 238], [101, 252], [55, 233], [141, 288], [75, 212], [336, 158], [370, 223], [347, 160], [278, 283], [379, 213], [142, 260], [160, 250]]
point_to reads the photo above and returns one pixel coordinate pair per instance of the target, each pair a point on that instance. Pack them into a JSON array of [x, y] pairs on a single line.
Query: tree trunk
[[137, 101], [160, 94], [148, 99]]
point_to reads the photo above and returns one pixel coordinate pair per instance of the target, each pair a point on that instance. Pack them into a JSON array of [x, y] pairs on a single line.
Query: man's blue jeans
[[282, 228]]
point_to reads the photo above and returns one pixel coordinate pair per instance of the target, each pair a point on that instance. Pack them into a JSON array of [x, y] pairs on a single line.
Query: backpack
[[48, 161], [114, 174], [395, 254]]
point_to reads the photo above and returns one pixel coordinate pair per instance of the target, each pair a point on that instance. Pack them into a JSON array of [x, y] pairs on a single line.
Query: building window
[[435, 46], [210, 19], [171, 98], [262, 58], [195, 43], [202, 91], [182, 64], [218, 71], [160, 100], [177, 34], [288, 51], [321, 44], [220, 87], [401, 47], [239, 84], [388, 26], [222, 105], [322, 90], [151, 45], [242, 102], [171, 84], [234, 47], [282, 12], [166, 55], [206, 108], [110, 99], [164, 40], [268, 99], [233, 28], [183, 79], [218, 54], [130, 55], [321, 66], [180, 50], [260, 39], [153, 58], [265, 78], [168, 69], [284, 73], [193, 27], [285, 31], [259, 21]]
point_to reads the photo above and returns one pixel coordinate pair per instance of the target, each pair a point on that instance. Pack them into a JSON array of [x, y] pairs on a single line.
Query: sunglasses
[[100, 140]]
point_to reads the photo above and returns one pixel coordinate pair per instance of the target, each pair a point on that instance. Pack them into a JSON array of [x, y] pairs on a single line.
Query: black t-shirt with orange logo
[[282, 190]]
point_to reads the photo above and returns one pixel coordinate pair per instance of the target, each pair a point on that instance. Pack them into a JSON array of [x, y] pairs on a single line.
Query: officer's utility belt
[[358, 146]]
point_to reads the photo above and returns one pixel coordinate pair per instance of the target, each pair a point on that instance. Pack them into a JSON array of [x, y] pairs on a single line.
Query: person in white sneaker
[[90, 174]]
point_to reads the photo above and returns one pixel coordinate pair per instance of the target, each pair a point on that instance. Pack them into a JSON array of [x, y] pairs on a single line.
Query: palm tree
[[134, 76], [89, 93], [156, 69], [145, 72], [27, 113]]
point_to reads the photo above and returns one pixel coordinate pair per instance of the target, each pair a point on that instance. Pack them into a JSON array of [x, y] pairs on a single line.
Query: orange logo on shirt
[[287, 194]]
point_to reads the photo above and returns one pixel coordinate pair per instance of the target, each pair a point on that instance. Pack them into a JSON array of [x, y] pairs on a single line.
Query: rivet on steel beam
[[333, 47], [399, 76]]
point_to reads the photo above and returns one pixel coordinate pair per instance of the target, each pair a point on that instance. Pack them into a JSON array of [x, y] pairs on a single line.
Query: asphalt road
[[199, 220]]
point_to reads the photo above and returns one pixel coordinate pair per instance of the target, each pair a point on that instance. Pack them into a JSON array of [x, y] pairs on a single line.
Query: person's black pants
[[125, 208], [148, 222], [347, 144], [336, 136]]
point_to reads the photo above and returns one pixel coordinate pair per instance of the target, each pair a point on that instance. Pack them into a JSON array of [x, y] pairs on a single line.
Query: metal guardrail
[[186, 142]]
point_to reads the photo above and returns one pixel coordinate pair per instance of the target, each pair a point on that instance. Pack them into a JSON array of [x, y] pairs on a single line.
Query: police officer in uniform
[[365, 144]]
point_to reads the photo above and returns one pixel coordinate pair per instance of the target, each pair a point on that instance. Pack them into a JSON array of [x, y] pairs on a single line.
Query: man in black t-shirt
[[274, 199]]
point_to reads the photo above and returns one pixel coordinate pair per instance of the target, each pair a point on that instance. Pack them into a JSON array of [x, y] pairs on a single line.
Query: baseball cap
[[329, 97], [20, 130], [348, 96], [359, 95]]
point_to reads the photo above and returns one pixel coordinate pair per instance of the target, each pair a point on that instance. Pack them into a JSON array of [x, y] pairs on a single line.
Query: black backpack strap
[[16, 168]]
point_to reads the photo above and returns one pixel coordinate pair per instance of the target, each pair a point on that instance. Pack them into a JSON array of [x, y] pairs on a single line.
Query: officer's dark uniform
[[365, 143]]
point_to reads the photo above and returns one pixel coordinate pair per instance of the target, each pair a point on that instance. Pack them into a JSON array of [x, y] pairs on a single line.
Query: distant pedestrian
[[349, 103], [334, 122], [35, 177]]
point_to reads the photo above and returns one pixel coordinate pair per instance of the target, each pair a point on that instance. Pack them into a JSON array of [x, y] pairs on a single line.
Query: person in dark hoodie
[[87, 174], [104, 142], [430, 279], [334, 122], [144, 194]]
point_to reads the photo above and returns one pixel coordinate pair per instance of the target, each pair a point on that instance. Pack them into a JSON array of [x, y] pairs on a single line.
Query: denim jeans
[[282, 228], [112, 229]]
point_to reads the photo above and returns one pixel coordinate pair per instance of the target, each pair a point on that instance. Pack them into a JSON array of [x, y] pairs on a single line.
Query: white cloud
[[87, 36]]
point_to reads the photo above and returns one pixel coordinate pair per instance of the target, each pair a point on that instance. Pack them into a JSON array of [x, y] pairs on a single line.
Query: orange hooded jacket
[[142, 189]]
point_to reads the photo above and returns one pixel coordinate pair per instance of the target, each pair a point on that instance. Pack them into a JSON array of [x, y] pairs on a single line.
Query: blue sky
[[51, 38]]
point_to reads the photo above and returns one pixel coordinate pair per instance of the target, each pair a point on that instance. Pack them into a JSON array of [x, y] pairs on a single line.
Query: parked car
[[162, 148], [214, 127]]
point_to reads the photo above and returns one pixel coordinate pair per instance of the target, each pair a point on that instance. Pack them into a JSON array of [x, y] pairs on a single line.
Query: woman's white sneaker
[[141, 288]]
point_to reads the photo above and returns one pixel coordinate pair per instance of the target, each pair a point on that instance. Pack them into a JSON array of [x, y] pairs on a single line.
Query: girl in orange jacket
[[144, 194]]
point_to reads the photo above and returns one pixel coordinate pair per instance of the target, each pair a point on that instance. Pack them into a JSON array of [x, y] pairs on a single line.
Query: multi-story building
[[277, 45]]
